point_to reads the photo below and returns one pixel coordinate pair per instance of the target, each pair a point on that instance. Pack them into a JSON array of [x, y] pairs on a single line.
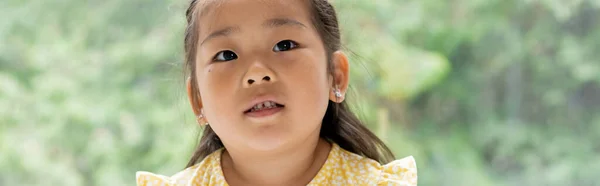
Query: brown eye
[[285, 45], [225, 55]]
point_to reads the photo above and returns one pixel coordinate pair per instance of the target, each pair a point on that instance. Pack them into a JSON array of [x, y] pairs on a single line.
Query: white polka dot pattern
[[340, 168]]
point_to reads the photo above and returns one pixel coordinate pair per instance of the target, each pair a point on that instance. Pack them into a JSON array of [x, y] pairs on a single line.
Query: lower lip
[[264, 112]]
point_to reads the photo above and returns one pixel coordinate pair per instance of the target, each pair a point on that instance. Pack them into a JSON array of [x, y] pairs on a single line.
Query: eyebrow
[[271, 23], [277, 22]]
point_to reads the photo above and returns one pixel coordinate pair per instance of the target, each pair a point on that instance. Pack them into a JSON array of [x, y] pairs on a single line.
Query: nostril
[[267, 78], [250, 81]]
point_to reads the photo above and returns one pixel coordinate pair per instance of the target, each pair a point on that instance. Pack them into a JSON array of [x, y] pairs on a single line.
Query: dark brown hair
[[339, 124]]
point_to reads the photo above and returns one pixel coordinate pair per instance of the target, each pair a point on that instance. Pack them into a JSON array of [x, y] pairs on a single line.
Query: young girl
[[267, 80]]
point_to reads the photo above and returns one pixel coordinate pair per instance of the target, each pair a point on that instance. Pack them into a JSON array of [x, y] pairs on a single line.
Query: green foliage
[[496, 92]]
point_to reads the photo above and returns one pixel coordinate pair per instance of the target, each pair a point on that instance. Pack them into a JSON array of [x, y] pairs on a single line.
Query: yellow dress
[[340, 168]]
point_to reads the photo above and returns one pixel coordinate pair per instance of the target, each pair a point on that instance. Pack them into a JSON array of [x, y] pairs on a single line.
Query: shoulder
[[189, 176], [144, 178], [401, 172]]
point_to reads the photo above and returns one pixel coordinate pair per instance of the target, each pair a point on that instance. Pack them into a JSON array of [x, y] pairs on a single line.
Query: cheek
[[311, 71], [308, 80], [215, 86]]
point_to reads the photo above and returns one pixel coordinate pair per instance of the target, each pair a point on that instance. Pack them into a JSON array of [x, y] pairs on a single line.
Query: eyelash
[[293, 45], [277, 48]]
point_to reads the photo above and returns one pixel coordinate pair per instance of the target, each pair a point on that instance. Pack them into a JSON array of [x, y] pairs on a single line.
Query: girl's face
[[254, 54]]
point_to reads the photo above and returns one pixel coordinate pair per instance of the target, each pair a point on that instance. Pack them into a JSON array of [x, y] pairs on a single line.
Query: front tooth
[[259, 106], [268, 104]]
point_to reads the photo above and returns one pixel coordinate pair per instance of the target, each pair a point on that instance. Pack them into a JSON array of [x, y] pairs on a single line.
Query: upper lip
[[261, 99]]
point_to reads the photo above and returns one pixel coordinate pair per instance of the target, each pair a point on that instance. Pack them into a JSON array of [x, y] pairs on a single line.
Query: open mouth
[[264, 106]]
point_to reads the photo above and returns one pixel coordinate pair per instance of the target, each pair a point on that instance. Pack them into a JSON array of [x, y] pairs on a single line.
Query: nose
[[257, 75], [252, 81]]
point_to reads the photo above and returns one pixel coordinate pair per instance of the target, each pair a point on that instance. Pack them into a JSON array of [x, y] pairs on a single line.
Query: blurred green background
[[481, 92]]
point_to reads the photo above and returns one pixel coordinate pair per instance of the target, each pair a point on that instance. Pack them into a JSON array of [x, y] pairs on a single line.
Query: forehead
[[216, 14]]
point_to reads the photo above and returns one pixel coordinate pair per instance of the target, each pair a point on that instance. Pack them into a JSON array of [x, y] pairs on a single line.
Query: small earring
[[199, 120], [337, 93]]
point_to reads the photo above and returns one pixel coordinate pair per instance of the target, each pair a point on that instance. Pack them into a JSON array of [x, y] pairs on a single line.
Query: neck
[[292, 166]]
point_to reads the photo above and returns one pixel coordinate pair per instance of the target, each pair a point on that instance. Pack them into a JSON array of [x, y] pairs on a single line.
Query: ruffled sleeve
[[182, 178], [402, 172], [148, 179]]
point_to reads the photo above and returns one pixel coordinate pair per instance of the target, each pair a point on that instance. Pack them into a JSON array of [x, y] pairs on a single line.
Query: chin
[[273, 141], [269, 135], [267, 144]]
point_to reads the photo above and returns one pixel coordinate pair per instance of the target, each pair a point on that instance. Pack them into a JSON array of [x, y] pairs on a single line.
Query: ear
[[341, 76], [194, 97]]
